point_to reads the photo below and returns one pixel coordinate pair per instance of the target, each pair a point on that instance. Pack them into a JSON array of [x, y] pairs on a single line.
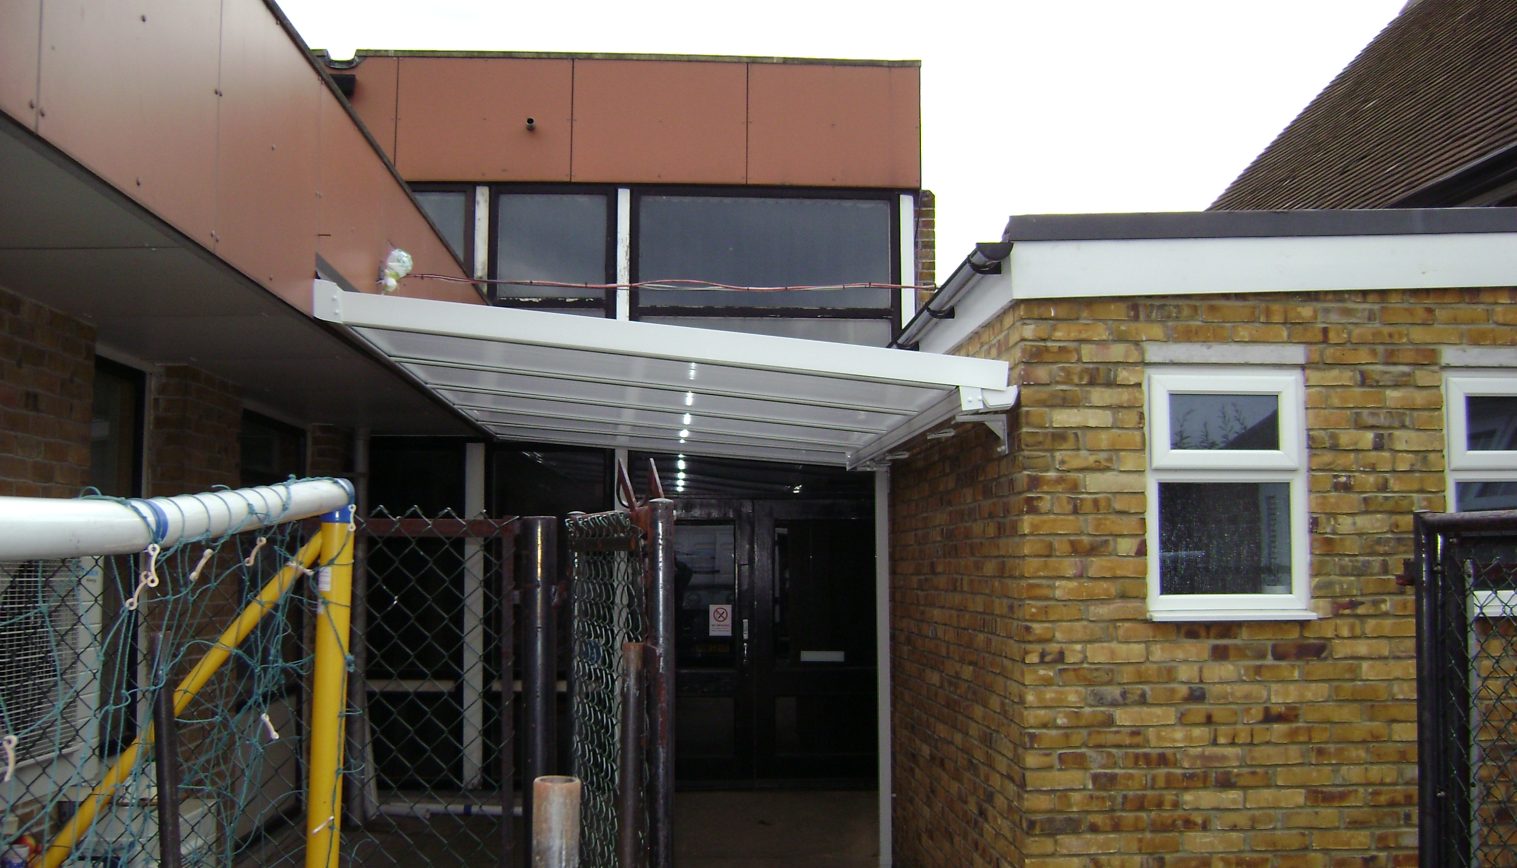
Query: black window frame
[[606, 305], [891, 198]]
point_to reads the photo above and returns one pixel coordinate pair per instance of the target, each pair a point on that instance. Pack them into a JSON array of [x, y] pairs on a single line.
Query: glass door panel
[[711, 705]]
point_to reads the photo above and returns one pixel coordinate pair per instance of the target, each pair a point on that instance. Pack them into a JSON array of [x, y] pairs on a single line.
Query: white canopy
[[560, 378]]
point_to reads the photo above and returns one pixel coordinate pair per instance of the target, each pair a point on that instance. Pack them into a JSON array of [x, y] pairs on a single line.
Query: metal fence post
[[661, 699], [539, 553], [1428, 716], [166, 757], [634, 713], [508, 701], [555, 822]]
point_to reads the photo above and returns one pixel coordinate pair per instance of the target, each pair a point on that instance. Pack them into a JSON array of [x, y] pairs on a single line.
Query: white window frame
[[1286, 464], [1489, 465]]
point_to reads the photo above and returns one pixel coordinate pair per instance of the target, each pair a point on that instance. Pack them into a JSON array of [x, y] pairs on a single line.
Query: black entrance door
[[775, 662]]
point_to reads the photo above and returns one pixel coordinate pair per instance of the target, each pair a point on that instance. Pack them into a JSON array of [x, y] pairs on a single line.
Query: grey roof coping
[[1259, 224], [591, 55]]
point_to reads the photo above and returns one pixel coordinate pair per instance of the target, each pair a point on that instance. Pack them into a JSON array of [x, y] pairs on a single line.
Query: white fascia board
[[983, 297], [1194, 266], [652, 340]]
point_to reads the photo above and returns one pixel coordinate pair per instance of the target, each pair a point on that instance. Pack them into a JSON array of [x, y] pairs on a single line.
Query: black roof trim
[[1467, 182], [1259, 224]]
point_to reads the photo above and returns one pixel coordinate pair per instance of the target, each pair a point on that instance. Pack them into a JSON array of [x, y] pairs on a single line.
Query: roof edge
[[1259, 224], [363, 53]]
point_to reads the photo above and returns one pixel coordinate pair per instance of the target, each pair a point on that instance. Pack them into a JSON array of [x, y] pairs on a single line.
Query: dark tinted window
[[555, 237], [1491, 421], [1212, 421], [116, 430], [271, 451], [760, 241], [450, 210]]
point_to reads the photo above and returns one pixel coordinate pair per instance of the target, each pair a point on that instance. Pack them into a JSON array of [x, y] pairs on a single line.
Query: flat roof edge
[[1259, 224], [362, 53]]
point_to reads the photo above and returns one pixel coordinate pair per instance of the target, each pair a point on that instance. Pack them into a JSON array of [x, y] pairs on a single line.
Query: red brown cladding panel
[[660, 122], [351, 181], [266, 168], [847, 126], [20, 23], [364, 212], [374, 98], [129, 90], [465, 119]]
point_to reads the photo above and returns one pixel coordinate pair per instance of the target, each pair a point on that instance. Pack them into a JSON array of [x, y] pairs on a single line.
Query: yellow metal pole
[[62, 845], [329, 689]]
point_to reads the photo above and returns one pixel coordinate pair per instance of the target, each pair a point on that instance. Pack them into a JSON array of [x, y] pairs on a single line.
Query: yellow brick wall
[[1041, 719]]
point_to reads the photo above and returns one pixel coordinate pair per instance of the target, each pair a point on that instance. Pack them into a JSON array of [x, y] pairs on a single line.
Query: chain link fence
[[609, 600], [1467, 688]]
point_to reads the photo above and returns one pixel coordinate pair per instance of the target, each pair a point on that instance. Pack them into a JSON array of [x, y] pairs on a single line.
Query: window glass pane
[[1475, 496], [449, 209], [557, 237], [757, 241], [1490, 422], [863, 332], [1212, 421], [116, 430], [1224, 538], [271, 451]]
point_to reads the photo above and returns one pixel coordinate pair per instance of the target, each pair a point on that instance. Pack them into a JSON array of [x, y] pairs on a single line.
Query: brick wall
[[194, 421], [1041, 719], [330, 452], [46, 393], [927, 243]]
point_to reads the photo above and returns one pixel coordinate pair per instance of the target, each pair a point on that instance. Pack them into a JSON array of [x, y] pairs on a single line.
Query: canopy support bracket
[[997, 424]]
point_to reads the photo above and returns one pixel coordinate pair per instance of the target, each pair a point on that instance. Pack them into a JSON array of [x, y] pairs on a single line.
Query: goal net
[[209, 603]]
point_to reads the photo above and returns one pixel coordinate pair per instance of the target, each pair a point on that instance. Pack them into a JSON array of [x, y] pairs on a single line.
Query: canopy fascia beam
[[645, 340], [961, 405]]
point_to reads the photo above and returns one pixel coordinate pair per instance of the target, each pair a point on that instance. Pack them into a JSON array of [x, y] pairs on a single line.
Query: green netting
[[77, 684]]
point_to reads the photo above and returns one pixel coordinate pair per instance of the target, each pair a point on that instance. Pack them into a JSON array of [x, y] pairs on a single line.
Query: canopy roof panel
[[559, 378]]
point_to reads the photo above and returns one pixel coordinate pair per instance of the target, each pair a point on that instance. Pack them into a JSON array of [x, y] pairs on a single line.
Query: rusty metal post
[[539, 554], [630, 787], [555, 822], [508, 702], [661, 676], [165, 757]]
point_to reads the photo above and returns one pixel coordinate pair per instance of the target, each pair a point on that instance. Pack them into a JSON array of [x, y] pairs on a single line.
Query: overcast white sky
[[1028, 106]]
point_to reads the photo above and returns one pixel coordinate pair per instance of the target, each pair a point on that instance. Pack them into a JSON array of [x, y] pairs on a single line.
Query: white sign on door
[[719, 619]]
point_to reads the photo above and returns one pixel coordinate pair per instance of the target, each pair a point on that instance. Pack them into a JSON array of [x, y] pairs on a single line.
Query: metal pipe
[[1428, 717], [630, 786], [539, 550], [39, 527], [166, 758], [507, 701], [661, 706], [555, 822]]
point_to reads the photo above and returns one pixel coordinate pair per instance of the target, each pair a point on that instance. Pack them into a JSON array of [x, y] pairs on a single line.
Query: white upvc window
[[1482, 432], [1227, 506], [1481, 411]]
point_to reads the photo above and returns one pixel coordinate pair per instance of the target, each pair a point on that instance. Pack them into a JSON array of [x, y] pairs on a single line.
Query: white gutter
[[36, 527]]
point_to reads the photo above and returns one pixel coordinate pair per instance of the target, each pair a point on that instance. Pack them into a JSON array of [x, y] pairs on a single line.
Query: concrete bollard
[[555, 822]]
